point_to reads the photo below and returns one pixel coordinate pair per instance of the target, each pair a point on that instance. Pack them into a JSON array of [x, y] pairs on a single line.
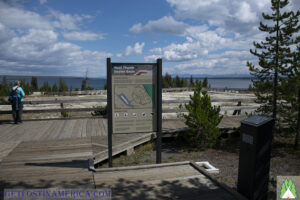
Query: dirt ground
[[284, 159]]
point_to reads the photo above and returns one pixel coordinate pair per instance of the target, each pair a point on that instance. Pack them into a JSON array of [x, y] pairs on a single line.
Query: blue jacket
[[20, 92]]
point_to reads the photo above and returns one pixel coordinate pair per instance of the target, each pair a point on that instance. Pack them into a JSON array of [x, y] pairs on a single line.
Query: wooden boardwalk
[[11, 135], [55, 153], [165, 181]]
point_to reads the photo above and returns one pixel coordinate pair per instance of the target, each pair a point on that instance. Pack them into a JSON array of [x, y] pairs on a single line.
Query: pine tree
[[167, 81], [202, 119], [191, 84], [84, 83], [183, 82], [272, 58], [177, 81], [205, 83], [291, 85], [54, 88], [46, 87], [62, 85], [34, 84]]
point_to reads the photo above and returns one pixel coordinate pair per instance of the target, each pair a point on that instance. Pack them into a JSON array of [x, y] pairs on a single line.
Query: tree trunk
[[297, 138], [276, 69]]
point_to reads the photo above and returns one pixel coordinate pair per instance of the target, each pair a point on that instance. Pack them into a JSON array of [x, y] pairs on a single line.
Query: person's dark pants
[[17, 114]]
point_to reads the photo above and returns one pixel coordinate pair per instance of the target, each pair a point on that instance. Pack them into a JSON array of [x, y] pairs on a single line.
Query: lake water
[[98, 83]]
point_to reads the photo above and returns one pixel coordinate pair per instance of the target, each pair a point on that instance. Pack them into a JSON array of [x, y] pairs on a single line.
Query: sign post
[[159, 111], [134, 100], [109, 111]]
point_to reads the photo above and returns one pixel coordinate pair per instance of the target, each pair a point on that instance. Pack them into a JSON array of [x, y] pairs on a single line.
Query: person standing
[[16, 94]]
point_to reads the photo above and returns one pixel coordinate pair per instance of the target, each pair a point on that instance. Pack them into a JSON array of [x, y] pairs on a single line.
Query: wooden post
[[109, 110], [62, 107], [238, 112], [159, 110]]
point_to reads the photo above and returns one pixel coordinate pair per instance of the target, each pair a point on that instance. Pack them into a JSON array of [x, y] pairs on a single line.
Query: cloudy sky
[[68, 37]]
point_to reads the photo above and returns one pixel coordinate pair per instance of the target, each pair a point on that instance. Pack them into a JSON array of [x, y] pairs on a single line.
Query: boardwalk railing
[[237, 109]]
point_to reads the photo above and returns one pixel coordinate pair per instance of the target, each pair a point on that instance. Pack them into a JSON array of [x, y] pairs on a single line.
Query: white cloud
[[137, 49], [67, 21], [166, 24], [43, 1], [30, 44], [220, 41], [214, 64], [233, 15], [82, 36], [14, 17], [245, 14]]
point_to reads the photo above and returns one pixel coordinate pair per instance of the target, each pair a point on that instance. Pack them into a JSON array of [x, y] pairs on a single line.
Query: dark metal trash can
[[254, 159]]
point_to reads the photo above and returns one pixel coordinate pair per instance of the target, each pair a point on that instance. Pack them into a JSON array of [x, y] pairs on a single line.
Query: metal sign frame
[[158, 106]]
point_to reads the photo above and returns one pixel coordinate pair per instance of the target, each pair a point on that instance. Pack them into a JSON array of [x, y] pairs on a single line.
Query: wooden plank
[[6, 148], [19, 132], [76, 132], [34, 130], [165, 182], [89, 128], [58, 129], [104, 124], [94, 127], [83, 131], [47, 132], [54, 128], [97, 128], [68, 128], [42, 130], [7, 132], [101, 128], [61, 163]]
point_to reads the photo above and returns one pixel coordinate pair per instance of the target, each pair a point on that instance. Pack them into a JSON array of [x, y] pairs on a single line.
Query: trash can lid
[[256, 120]]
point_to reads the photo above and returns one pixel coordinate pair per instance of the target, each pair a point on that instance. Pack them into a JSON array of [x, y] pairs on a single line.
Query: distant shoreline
[[233, 83]]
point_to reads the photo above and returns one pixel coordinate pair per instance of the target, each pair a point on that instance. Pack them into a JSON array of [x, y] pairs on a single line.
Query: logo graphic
[[288, 189]]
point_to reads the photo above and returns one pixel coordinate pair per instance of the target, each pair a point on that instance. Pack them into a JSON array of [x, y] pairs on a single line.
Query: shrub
[[202, 119], [101, 112]]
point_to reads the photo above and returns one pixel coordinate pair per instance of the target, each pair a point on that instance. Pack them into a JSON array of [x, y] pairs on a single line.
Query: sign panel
[[134, 89]]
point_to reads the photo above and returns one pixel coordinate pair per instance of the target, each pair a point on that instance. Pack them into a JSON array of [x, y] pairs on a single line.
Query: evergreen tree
[[54, 88], [205, 83], [34, 84], [202, 119], [167, 81], [191, 83], [62, 85], [4, 87], [198, 82], [272, 58], [183, 82], [291, 86], [177, 81], [27, 88], [45, 88], [84, 84]]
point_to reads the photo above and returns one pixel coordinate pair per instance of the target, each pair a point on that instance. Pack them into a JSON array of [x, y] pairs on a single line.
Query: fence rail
[[104, 100], [237, 109]]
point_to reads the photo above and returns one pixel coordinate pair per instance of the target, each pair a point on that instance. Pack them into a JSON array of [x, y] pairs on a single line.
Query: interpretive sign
[[134, 103], [134, 100]]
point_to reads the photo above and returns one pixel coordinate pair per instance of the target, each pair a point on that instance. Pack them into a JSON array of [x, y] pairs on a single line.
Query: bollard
[[254, 159]]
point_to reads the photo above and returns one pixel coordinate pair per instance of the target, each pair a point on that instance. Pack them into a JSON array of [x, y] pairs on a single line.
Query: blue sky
[[70, 37]]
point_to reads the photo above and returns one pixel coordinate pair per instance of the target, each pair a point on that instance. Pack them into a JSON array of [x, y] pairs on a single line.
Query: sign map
[[133, 97]]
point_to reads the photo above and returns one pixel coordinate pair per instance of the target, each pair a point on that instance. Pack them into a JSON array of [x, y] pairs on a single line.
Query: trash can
[[254, 159]]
